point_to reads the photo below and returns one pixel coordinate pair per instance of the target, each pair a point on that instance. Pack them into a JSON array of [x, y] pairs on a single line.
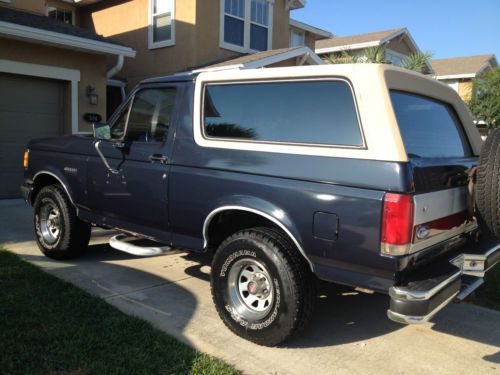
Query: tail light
[[397, 224], [26, 158]]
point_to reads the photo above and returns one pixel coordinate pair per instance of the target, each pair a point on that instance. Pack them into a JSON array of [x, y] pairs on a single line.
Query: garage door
[[30, 108]]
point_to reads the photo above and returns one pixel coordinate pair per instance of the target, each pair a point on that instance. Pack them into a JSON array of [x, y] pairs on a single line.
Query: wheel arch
[[289, 230], [44, 178]]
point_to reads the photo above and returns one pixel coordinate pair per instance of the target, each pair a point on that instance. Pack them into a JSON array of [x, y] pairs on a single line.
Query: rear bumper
[[422, 298]]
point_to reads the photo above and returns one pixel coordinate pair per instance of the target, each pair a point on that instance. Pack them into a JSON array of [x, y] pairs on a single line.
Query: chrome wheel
[[50, 223], [250, 289]]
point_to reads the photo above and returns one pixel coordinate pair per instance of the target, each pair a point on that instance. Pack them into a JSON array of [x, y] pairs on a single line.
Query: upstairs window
[[297, 38], [60, 14], [161, 31], [246, 25]]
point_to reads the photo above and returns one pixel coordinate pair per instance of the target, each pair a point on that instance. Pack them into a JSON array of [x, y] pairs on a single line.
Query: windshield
[[430, 128]]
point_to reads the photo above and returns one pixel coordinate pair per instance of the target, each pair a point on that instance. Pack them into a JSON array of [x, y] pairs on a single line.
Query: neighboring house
[[459, 72], [398, 45], [171, 36], [302, 34], [51, 73]]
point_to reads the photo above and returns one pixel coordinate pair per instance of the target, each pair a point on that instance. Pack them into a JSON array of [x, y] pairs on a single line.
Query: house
[[171, 36], [302, 34], [52, 72], [398, 45], [459, 72]]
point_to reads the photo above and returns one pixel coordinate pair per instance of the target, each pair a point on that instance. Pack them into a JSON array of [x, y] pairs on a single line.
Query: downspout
[[115, 69]]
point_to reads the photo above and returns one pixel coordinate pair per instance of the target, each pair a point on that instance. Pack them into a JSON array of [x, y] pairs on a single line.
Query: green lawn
[[488, 294], [48, 326]]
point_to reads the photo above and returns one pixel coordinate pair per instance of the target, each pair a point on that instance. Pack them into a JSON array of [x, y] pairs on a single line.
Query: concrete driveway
[[350, 333]]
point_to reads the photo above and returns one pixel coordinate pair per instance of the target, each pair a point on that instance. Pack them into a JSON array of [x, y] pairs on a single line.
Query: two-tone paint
[[327, 200]]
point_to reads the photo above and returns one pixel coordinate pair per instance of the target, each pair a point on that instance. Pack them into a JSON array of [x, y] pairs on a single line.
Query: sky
[[448, 28]]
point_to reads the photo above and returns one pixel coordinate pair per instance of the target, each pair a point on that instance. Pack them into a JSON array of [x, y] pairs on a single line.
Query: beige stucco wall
[[196, 35], [92, 69], [37, 6]]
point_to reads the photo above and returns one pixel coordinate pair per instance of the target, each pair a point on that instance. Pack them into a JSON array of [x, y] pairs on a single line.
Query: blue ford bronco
[[363, 175]]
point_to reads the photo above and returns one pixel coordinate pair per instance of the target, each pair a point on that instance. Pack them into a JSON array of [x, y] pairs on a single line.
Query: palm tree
[[376, 55], [343, 58], [418, 61]]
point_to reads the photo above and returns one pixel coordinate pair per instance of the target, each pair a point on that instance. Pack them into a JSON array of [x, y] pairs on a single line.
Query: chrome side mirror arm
[[103, 158]]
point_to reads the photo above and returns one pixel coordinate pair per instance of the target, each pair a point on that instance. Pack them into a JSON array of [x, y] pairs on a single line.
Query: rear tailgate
[[441, 158]]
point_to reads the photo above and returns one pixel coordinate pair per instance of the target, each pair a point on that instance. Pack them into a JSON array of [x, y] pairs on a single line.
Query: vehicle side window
[[150, 116], [306, 112], [429, 128]]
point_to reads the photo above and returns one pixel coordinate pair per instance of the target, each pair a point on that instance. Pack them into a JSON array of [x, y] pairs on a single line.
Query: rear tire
[[262, 287], [59, 233], [487, 189]]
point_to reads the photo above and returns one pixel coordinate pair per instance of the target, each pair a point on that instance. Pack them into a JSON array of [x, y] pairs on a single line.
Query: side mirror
[[102, 132]]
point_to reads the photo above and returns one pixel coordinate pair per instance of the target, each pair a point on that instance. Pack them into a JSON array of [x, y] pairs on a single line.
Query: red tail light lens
[[397, 224]]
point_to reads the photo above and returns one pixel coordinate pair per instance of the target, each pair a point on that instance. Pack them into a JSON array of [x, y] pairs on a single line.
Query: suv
[[360, 175]]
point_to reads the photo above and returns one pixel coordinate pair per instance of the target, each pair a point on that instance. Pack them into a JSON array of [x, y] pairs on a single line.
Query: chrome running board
[[120, 242]]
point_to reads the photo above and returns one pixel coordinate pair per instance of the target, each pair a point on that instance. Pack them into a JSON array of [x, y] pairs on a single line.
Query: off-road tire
[[293, 282], [487, 187], [74, 234]]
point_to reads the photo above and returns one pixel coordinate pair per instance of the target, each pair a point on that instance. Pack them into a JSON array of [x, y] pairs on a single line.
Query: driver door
[[133, 193]]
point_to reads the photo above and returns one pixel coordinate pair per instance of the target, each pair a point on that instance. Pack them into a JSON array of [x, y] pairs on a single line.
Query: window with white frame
[[61, 14], [161, 31], [297, 37], [246, 25]]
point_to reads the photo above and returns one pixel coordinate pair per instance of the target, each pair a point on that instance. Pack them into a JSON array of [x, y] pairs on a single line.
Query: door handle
[[160, 158]]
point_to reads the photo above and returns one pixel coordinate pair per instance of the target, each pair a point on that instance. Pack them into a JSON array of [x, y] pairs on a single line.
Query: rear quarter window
[[307, 112], [429, 128]]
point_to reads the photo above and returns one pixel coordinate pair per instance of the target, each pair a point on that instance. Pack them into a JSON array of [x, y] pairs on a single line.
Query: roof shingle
[[467, 65], [339, 41], [49, 24]]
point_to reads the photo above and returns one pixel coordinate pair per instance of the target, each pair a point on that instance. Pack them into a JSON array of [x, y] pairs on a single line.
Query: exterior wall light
[[92, 95]]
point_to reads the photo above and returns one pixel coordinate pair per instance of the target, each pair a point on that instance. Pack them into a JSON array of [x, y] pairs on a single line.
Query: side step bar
[[121, 242]]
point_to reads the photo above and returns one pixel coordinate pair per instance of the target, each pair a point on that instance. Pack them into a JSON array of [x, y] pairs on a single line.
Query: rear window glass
[[430, 128], [319, 112]]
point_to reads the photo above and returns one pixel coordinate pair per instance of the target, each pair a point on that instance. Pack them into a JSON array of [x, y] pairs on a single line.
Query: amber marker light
[[26, 158]]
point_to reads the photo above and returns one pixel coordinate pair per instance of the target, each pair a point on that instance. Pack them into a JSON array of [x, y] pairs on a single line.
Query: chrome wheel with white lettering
[[250, 289], [262, 287], [60, 234], [50, 225]]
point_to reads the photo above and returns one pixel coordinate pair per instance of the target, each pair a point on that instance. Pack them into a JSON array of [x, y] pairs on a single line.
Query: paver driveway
[[350, 332]]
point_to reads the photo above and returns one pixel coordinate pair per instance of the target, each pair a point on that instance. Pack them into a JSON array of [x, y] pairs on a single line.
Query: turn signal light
[[26, 158], [397, 224]]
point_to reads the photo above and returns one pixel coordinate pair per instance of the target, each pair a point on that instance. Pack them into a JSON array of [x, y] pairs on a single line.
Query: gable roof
[[358, 41], [32, 27], [264, 58], [462, 67], [320, 33]]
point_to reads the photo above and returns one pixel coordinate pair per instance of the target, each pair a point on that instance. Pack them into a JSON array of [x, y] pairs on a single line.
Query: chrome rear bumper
[[421, 299]]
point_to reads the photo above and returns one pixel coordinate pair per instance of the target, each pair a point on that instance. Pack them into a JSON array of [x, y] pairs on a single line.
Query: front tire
[[262, 287], [59, 233]]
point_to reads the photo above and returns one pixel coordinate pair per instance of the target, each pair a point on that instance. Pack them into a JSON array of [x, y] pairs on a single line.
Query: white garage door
[[30, 108]]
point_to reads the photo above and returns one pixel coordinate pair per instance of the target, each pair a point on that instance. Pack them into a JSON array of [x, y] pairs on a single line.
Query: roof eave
[[15, 31], [311, 29]]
